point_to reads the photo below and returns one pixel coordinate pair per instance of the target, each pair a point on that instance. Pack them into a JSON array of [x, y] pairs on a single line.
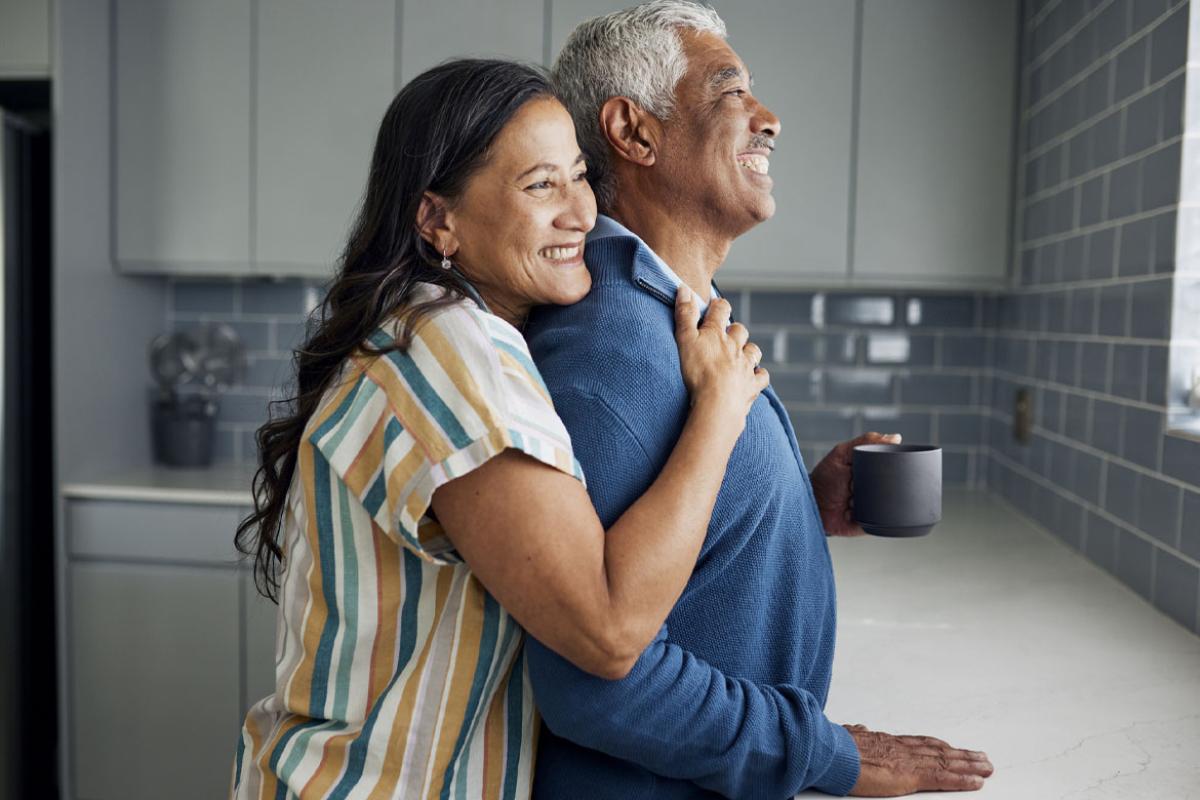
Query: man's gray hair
[[634, 53]]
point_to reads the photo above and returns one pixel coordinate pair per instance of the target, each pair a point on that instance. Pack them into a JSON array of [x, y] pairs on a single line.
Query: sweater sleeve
[[675, 714]]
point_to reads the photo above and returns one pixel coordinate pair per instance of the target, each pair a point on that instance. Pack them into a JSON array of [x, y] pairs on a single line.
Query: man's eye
[[737, 92]]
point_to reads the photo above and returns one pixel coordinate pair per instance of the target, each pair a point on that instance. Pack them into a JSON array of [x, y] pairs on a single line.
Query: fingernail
[[685, 293]]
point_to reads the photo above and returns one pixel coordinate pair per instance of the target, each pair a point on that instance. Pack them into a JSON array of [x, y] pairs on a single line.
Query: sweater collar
[[650, 273]]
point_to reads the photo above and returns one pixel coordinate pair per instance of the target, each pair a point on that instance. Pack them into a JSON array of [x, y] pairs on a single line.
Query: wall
[[1088, 328]]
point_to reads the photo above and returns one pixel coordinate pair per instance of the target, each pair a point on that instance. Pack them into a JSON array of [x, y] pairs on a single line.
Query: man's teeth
[[755, 163], [560, 253]]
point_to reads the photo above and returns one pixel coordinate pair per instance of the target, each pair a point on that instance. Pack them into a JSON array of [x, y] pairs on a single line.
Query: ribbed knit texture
[[728, 700]]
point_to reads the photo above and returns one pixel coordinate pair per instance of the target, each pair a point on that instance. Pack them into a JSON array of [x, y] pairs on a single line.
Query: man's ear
[[632, 132], [434, 224]]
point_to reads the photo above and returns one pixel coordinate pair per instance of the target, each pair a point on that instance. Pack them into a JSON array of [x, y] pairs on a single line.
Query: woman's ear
[[632, 132], [434, 224]]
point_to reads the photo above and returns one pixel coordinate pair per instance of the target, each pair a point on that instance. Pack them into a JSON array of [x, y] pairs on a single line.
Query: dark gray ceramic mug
[[897, 488]]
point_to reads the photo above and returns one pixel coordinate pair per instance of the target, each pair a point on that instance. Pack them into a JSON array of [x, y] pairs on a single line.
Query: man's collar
[[650, 273]]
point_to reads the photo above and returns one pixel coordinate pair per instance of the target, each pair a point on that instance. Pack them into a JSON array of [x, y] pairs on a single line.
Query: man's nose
[[765, 122]]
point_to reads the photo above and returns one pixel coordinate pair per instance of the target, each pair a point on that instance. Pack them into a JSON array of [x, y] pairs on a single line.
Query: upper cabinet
[[935, 140], [435, 30], [244, 128], [801, 55], [182, 135], [25, 41], [325, 74]]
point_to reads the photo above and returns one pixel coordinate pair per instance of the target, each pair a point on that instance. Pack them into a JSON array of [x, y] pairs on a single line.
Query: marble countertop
[[220, 484], [994, 636]]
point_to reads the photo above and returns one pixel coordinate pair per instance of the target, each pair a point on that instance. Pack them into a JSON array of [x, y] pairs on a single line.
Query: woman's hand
[[719, 366]]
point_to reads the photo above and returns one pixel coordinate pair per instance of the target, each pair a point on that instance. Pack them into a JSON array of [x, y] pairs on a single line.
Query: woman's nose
[[579, 213]]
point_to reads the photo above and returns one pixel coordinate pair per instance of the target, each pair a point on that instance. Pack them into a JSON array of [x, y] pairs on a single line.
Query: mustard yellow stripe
[[388, 596], [270, 784], [462, 677], [389, 773], [460, 373], [398, 479], [409, 411], [493, 740]]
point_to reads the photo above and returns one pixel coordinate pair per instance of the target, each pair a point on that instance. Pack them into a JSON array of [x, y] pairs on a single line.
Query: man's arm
[[681, 718], [674, 714]]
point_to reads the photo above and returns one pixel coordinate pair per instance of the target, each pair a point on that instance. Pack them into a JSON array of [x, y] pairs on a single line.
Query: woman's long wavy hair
[[435, 135]]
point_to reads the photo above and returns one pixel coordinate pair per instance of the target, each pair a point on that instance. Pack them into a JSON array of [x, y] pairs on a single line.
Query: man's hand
[[833, 485], [898, 765]]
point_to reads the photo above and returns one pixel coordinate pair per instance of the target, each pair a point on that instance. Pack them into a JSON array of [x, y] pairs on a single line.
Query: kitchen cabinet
[[154, 675], [25, 41], [325, 74], [935, 132], [801, 55], [182, 135], [435, 30], [168, 644]]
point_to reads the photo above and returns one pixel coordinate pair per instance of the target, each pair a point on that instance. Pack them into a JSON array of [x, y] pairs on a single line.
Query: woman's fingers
[[687, 312], [717, 316]]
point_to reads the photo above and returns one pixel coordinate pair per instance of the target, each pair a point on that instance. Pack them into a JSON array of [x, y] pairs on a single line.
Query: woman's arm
[[531, 536]]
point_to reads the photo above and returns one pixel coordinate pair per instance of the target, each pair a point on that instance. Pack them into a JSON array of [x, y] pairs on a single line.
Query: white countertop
[[221, 484], [994, 636]]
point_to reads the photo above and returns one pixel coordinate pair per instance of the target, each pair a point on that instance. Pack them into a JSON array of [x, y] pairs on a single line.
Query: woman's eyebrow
[[546, 165]]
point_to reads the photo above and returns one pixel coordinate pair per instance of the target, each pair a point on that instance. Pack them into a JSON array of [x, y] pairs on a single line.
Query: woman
[[421, 496]]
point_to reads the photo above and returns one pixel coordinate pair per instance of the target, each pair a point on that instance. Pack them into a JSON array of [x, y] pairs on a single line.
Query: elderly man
[[728, 700]]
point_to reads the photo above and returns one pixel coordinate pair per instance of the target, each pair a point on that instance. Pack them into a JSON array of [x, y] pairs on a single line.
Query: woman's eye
[[539, 185], [582, 176]]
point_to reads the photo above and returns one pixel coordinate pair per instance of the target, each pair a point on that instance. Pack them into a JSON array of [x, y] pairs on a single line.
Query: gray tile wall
[[1088, 329], [849, 362]]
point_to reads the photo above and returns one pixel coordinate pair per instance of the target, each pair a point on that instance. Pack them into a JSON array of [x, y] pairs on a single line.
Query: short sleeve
[[464, 391]]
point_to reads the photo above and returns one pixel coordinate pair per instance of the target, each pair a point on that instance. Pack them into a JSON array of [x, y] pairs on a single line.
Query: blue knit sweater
[[728, 700]]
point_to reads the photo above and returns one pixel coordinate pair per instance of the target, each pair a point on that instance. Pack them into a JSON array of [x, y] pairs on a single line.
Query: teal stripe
[[301, 748], [487, 646], [509, 629], [349, 606], [237, 765], [516, 702], [277, 753], [326, 557], [525, 361], [360, 395], [428, 398], [376, 494]]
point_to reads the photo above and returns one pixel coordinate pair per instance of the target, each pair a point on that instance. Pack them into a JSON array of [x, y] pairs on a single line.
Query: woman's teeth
[[755, 163], [559, 253]]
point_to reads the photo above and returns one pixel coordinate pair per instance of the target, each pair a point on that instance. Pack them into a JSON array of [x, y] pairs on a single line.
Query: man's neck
[[693, 251]]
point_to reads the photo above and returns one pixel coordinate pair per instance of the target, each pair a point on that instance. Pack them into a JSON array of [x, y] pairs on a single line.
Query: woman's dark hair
[[435, 135]]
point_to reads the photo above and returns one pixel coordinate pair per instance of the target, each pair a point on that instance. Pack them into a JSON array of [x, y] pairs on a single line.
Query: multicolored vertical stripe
[[397, 674]]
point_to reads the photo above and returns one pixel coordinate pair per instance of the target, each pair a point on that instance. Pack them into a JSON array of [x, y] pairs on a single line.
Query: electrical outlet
[[1022, 416]]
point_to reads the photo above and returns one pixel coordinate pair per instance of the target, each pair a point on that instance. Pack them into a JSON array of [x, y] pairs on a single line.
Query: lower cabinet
[[154, 680], [168, 643]]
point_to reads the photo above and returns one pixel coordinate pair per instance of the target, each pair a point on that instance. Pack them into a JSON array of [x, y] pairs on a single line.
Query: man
[[728, 700]]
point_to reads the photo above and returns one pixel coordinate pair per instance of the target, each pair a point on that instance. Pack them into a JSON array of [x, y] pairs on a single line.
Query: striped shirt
[[397, 674]]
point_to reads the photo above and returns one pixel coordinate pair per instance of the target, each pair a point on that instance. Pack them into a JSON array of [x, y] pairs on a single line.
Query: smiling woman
[[418, 506]]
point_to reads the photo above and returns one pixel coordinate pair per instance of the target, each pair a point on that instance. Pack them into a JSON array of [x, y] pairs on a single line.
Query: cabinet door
[[325, 76], [802, 57], [154, 680], [435, 30], [258, 656], [801, 53], [25, 39], [182, 128], [935, 142]]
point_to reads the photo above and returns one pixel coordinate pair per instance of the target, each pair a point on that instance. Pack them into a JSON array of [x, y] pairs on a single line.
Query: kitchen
[[986, 240]]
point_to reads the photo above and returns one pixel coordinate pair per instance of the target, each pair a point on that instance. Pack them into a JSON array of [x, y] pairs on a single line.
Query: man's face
[[716, 145]]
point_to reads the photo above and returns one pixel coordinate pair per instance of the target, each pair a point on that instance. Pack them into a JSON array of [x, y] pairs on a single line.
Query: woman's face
[[517, 230]]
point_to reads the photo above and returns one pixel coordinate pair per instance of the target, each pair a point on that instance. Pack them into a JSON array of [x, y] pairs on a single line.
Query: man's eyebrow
[[725, 74], [546, 165]]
